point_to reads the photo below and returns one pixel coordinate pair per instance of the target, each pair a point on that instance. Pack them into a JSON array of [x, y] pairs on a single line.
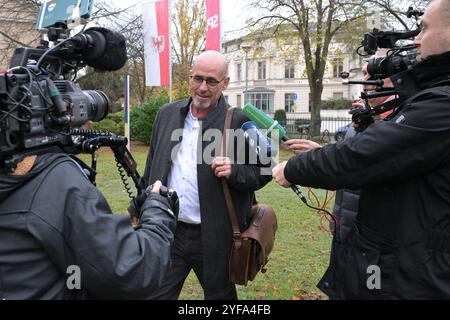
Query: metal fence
[[331, 128]]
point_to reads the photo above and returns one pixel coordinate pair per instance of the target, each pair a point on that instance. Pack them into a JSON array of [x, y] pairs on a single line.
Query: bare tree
[[188, 39], [17, 27], [316, 23], [189, 27], [394, 12], [127, 21]]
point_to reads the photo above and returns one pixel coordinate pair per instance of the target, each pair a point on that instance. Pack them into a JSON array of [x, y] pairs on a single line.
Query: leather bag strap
[[237, 236]]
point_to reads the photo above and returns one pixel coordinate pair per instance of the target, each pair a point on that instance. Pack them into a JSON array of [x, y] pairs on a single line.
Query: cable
[[335, 222], [41, 59], [16, 104], [302, 197], [90, 133], [123, 177], [96, 139], [30, 75]]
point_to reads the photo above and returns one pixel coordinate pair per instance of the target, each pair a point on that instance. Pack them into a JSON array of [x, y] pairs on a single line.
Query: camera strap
[[87, 171]]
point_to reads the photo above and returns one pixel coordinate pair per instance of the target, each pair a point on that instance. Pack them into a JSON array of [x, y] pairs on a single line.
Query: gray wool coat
[[244, 180]]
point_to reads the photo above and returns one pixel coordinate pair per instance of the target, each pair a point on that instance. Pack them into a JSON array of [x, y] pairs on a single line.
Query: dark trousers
[[187, 255]]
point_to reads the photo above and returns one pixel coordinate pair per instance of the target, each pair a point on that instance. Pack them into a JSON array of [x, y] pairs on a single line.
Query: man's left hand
[[222, 167], [278, 175]]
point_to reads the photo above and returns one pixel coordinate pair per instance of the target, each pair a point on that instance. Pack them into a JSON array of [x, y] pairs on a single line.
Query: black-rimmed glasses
[[210, 82]]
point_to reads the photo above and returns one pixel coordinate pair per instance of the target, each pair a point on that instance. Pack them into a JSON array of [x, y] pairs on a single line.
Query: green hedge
[[280, 116], [113, 123], [142, 118], [336, 104]]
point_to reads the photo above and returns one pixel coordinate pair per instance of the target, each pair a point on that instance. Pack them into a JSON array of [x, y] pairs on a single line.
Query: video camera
[[397, 59], [41, 111]]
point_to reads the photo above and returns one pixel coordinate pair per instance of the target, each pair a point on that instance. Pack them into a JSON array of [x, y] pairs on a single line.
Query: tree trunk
[[314, 102]]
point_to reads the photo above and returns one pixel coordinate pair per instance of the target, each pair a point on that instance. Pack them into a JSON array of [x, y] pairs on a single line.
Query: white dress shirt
[[183, 173]]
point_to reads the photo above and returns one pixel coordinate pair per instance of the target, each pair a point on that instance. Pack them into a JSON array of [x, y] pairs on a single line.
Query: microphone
[[260, 143], [263, 121], [101, 48]]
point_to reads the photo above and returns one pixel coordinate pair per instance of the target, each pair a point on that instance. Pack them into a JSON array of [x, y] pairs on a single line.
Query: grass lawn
[[301, 251]]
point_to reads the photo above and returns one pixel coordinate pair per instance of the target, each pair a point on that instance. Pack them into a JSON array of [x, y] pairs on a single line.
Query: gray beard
[[201, 106]]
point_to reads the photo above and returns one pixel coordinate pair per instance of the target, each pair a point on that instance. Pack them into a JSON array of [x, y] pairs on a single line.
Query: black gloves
[[136, 203], [172, 196], [362, 117]]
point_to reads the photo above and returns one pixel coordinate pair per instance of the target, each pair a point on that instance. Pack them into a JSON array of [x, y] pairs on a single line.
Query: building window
[[262, 101], [239, 71], [338, 95], [338, 67], [289, 69], [238, 101], [261, 70], [226, 98], [289, 101]]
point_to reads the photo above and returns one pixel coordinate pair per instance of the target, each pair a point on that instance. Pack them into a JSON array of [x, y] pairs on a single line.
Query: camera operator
[[400, 243], [374, 102], [346, 205], [59, 239]]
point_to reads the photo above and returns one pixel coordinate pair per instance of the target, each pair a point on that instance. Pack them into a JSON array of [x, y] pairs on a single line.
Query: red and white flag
[[213, 25], [155, 16]]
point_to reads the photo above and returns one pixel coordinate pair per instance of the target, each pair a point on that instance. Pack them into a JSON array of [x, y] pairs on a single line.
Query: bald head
[[434, 37], [208, 78], [214, 60], [444, 10]]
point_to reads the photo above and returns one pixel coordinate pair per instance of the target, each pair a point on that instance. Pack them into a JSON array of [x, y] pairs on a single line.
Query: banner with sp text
[[213, 41]]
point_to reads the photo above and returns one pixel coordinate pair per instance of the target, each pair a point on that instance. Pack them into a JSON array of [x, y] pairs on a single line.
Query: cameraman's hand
[[299, 145], [359, 103], [278, 175], [134, 210], [156, 186], [361, 119], [355, 105]]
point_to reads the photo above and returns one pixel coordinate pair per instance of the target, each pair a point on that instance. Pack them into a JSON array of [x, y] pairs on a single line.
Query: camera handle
[[126, 165]]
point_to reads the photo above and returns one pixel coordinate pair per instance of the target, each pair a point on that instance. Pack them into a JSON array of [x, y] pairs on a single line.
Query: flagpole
[[220, 26], [170, 51], [127, 110]]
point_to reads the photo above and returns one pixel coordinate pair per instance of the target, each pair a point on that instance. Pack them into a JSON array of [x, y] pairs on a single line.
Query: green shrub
[[113, 123], [336, 104], [142, 117], [117, 117], [280, 116]]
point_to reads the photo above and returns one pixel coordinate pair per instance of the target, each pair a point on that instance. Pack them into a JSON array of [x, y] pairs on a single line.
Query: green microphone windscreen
[[262, 120]]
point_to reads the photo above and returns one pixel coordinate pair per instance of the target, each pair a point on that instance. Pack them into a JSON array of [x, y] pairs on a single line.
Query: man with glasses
[[203, 235]]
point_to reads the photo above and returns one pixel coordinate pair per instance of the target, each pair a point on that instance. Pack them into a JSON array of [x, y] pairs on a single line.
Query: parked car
[[340, 133], [302, 126]]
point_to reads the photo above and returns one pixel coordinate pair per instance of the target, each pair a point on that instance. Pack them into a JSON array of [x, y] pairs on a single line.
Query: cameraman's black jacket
[[403, 168], [53, 218]]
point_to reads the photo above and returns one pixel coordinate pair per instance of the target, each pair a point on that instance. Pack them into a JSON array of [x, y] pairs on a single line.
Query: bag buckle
[[237, 238]]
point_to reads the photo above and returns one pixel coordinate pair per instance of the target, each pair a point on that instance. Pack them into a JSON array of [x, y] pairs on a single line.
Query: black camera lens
[[99, 105], [384, 67]]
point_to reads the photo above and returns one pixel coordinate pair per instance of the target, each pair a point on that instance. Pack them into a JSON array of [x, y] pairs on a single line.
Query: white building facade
[[274, 76]]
